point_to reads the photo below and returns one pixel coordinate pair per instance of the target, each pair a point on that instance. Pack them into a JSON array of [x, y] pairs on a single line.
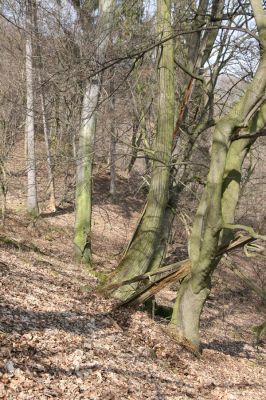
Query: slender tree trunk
[[146, 237], [32, 203], [112, 146], [215, 208], [82, 234], [82, 238], [139, 135], [51, 186], [4, 189], [112, 165]]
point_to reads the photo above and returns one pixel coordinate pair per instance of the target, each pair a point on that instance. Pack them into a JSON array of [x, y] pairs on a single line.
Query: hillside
[[60, 340]]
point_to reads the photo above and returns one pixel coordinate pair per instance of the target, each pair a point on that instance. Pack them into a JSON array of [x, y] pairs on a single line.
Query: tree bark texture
[[145, 240], [83, 214], [219, 199], [148, 245]]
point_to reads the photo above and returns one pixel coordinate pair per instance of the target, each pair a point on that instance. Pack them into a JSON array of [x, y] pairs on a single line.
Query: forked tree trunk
[[216, 207], [189, 304], [82, 234], [148, 245], [32, 203], [145, 240]]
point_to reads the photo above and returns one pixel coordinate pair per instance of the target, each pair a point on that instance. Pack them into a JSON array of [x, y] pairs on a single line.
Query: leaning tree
[[233, 135]]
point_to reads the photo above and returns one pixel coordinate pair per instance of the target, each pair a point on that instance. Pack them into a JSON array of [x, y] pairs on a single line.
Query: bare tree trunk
[[32, 203], [4, 189], [215, 210], [82, 235], [148, 245], [112, 146], [51, 186], [82, 238], [141, 249]]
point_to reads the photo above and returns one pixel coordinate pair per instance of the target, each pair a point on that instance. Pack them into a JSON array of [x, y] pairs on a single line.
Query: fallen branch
[[144, 294], [162, 271], [170, 274], [254, 250]]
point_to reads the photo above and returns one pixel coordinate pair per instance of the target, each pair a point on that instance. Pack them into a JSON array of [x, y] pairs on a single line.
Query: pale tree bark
[[113, 141], [145, 239], [32, 203], [51, 184], [212, 214], [112, 164], [83, 214]]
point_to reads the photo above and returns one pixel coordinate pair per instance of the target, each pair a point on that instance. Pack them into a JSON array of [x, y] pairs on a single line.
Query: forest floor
[[60, 340]]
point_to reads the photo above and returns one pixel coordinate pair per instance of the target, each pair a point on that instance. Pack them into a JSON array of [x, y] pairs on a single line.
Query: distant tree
[[47, 139], [32, 202]]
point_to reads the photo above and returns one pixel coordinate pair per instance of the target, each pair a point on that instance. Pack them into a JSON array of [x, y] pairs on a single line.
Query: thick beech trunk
[[219, 199], [186, 314], [148, 245], [146, 238]]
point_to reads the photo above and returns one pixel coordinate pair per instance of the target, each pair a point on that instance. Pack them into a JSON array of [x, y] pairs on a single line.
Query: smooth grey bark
[[113, 141], [51, 185], [32, 203], [82, 238]]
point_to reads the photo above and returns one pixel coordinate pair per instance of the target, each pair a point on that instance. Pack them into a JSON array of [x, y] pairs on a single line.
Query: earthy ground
[[60, 340]]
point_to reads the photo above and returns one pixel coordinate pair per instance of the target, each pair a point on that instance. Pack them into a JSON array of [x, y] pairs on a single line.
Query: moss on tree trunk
[[147, 236], [218, 203]]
